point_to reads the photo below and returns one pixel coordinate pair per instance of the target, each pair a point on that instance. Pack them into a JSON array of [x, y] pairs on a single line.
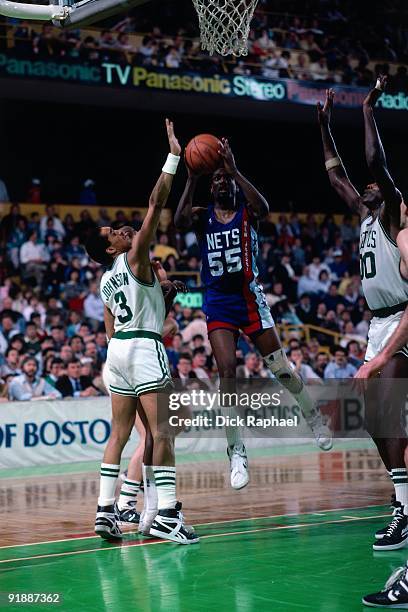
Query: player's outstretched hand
[[376, 92], [324, 112], [227, 156], [175, 147], [180, 286], [159, 271]]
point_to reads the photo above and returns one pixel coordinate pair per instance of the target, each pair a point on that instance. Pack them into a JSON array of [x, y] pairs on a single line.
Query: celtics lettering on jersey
[[367, 257], [383, 285], [134, 304]]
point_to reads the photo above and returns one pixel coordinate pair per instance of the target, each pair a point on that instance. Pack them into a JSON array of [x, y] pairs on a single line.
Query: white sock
[[128, 493], [400, 480], [149, 488], [165, 477], [109, 477], [232, 432]]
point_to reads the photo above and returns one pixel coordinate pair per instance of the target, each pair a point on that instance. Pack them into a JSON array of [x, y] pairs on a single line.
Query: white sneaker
[[169, 525], [321, 430], [239, 466]]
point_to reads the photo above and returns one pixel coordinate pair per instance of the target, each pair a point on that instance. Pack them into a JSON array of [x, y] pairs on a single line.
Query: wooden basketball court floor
[[297, 538]]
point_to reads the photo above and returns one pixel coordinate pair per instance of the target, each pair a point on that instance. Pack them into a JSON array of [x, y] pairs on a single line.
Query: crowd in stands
[[316, 40], [52, 336]]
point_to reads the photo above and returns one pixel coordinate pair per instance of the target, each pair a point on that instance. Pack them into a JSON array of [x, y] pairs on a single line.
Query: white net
[[224, 25]]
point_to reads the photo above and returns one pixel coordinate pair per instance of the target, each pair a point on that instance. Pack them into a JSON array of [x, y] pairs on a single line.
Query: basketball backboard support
[[67, 13]]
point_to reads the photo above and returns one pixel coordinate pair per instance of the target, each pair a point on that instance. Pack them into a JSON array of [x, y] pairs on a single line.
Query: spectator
[[34, 258], [322, 360], [305, 310], [296, 359], [56, 369], [11, 367], [93, 306], [199, 363], [354, 353], [185, 378], [57, 226], [73, 384], [31, 339], [8, 329], [253, 367], [316, 267], [29, 386], [339, 368]]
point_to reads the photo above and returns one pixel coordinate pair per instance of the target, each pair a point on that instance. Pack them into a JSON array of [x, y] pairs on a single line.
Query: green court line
[[93, 466]]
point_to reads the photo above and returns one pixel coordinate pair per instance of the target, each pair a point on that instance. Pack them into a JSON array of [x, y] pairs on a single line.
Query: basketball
[[202, 154]]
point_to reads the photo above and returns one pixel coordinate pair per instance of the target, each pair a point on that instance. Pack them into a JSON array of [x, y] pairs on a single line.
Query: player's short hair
[[96, 246]]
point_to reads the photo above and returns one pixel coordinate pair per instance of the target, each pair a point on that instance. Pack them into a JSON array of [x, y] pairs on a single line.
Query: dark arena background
[[83, 141]]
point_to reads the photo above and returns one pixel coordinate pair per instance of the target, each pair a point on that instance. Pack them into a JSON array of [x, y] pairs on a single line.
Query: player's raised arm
[[138, 256], [257, 204], [375, 154], [188, 216], [334, 165]]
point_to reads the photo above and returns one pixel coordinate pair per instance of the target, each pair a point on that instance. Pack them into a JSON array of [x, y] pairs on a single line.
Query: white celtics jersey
[[134, 304], [383, 285]]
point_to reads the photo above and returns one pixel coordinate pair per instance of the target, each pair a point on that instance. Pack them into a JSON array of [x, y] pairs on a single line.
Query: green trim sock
[[400, 480], [149, 489], [109, 477], [128, 493], [165, 477]]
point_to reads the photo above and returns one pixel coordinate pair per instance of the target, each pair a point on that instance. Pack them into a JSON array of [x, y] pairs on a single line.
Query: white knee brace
[[279, 365]]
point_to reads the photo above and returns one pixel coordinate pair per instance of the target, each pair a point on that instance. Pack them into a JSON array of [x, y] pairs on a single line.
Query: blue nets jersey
[[233, 297]]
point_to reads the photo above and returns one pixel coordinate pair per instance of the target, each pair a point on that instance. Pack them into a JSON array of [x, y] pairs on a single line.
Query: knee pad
[[279, 365]]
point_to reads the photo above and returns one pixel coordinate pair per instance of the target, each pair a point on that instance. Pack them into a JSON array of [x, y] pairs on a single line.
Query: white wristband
[[172, 161], [378, 85], [332, 163]]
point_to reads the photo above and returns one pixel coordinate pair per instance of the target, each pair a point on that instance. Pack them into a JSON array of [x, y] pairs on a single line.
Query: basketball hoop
[[224, 25]]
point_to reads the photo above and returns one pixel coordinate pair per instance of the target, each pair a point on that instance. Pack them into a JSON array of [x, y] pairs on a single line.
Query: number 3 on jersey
[[367, 265], [120, 299], [232, 258]]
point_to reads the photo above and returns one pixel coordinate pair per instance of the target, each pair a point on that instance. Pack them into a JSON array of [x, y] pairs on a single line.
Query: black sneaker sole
[[390, 546], [106, 535], [392, 606]]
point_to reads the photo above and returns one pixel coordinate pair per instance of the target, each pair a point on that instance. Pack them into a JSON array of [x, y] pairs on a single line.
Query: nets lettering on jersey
[[224, 25]]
